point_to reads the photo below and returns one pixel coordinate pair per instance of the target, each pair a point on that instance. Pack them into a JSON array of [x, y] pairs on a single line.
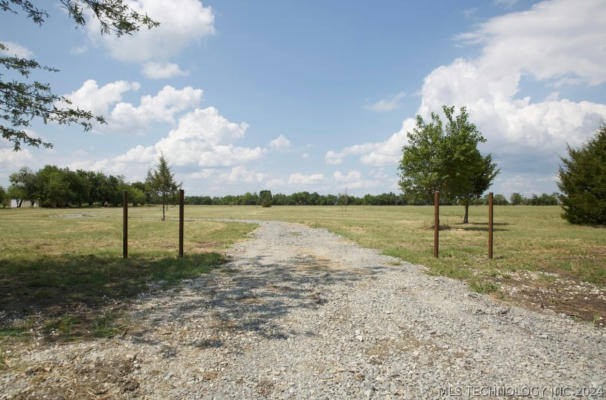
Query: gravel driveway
[[302, 313]]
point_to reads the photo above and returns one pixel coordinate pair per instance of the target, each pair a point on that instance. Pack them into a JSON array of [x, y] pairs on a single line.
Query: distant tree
[[25, 186], [499, 200], [3, 197], [515, 199], [583, 182], [266, 199], [21, 102], [445, 158], [162, 182]]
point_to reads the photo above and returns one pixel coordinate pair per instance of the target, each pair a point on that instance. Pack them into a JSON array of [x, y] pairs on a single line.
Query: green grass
[[70, 271], [526, 238], [58, 266]]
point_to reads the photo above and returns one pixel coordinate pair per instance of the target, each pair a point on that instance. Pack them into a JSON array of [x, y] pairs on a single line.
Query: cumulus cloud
[[280, 142], [556, 43], [127, 117], [203, 139], [303, 180], [16, 50], [98, 99], [182, 23], [162, 70], [159, 108], [389, 104], [240, 174], [353, 180]]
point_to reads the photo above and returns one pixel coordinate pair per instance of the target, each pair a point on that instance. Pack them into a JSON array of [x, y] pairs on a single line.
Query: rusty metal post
[[124, 224], [490, 203], [181, 214], [436, 224]]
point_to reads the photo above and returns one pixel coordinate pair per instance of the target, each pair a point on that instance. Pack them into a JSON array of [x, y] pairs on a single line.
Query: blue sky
[[243, 96]]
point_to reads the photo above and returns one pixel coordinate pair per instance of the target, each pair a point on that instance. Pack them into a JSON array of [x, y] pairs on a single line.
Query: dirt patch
[[539, 291]]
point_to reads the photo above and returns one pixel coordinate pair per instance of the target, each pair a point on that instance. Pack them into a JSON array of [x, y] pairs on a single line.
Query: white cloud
[[556, 43], [182, 23], [385, 105], [162, 70], [202, 139], [280, 142], [505, 3], [240, 174], [351, 176], [301, 179], [16, 50], [353, 180], [305, 155], [98, 99], [554, 39], [159, 108]]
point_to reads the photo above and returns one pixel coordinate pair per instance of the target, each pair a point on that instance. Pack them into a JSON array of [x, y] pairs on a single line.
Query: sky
[[316, 95]]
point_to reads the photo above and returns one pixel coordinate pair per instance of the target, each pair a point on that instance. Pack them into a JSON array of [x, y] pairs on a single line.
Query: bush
[[583, 182], [266, 198]]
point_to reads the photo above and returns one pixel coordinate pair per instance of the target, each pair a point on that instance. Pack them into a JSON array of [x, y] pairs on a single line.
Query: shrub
[[583, 182]]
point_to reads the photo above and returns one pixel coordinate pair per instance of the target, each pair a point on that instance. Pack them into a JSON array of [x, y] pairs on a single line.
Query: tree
[[25, 186], [421, 169], [446, 159], [516, 199], [583, 182], [21, 102], [162, 182], [3, 197], [266, 199]]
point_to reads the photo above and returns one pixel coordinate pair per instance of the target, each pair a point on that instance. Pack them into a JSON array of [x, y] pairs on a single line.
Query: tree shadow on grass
[[79, 296], [483, 226]]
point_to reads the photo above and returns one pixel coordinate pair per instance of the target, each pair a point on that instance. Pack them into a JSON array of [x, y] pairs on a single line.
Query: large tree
[[445, 158], [422, 161], [25, 185], [22, 101], [162, 183], [583, 182]]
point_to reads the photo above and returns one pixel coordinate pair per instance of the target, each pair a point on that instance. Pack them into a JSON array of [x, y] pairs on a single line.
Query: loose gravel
[[302, 313]]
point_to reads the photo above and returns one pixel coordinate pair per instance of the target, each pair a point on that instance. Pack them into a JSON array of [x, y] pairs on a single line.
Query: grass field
[[62, 268]]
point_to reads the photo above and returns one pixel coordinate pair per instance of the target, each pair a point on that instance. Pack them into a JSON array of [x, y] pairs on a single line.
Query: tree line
[[52, 186]]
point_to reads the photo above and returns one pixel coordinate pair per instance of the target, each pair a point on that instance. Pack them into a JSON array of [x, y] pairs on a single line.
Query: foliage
[[266, 199], [162, 183], [3, 197], [52, 186], [583, 182], [445, 158], [421, 169], [23, 101]]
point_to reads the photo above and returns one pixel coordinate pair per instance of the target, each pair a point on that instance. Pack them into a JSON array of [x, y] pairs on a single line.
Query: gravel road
[[302, 313]]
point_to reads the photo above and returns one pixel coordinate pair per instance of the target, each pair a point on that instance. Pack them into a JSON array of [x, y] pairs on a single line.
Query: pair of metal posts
[[125, 222], [436, 224]]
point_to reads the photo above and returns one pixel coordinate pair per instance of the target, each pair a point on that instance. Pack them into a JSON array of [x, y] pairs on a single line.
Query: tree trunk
[[466, 217], [163, 204]]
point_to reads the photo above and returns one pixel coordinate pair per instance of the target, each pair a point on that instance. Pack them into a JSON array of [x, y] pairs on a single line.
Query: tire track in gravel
[[303, 313]]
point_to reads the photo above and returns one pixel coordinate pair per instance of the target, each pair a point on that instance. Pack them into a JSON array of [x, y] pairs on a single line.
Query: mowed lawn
[[63, 277], [540, 260], [61, 270]]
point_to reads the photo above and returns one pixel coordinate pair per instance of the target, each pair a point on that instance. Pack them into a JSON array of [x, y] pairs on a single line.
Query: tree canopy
[[583, 182], [162, 183], [22, 101], [445, 158]]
